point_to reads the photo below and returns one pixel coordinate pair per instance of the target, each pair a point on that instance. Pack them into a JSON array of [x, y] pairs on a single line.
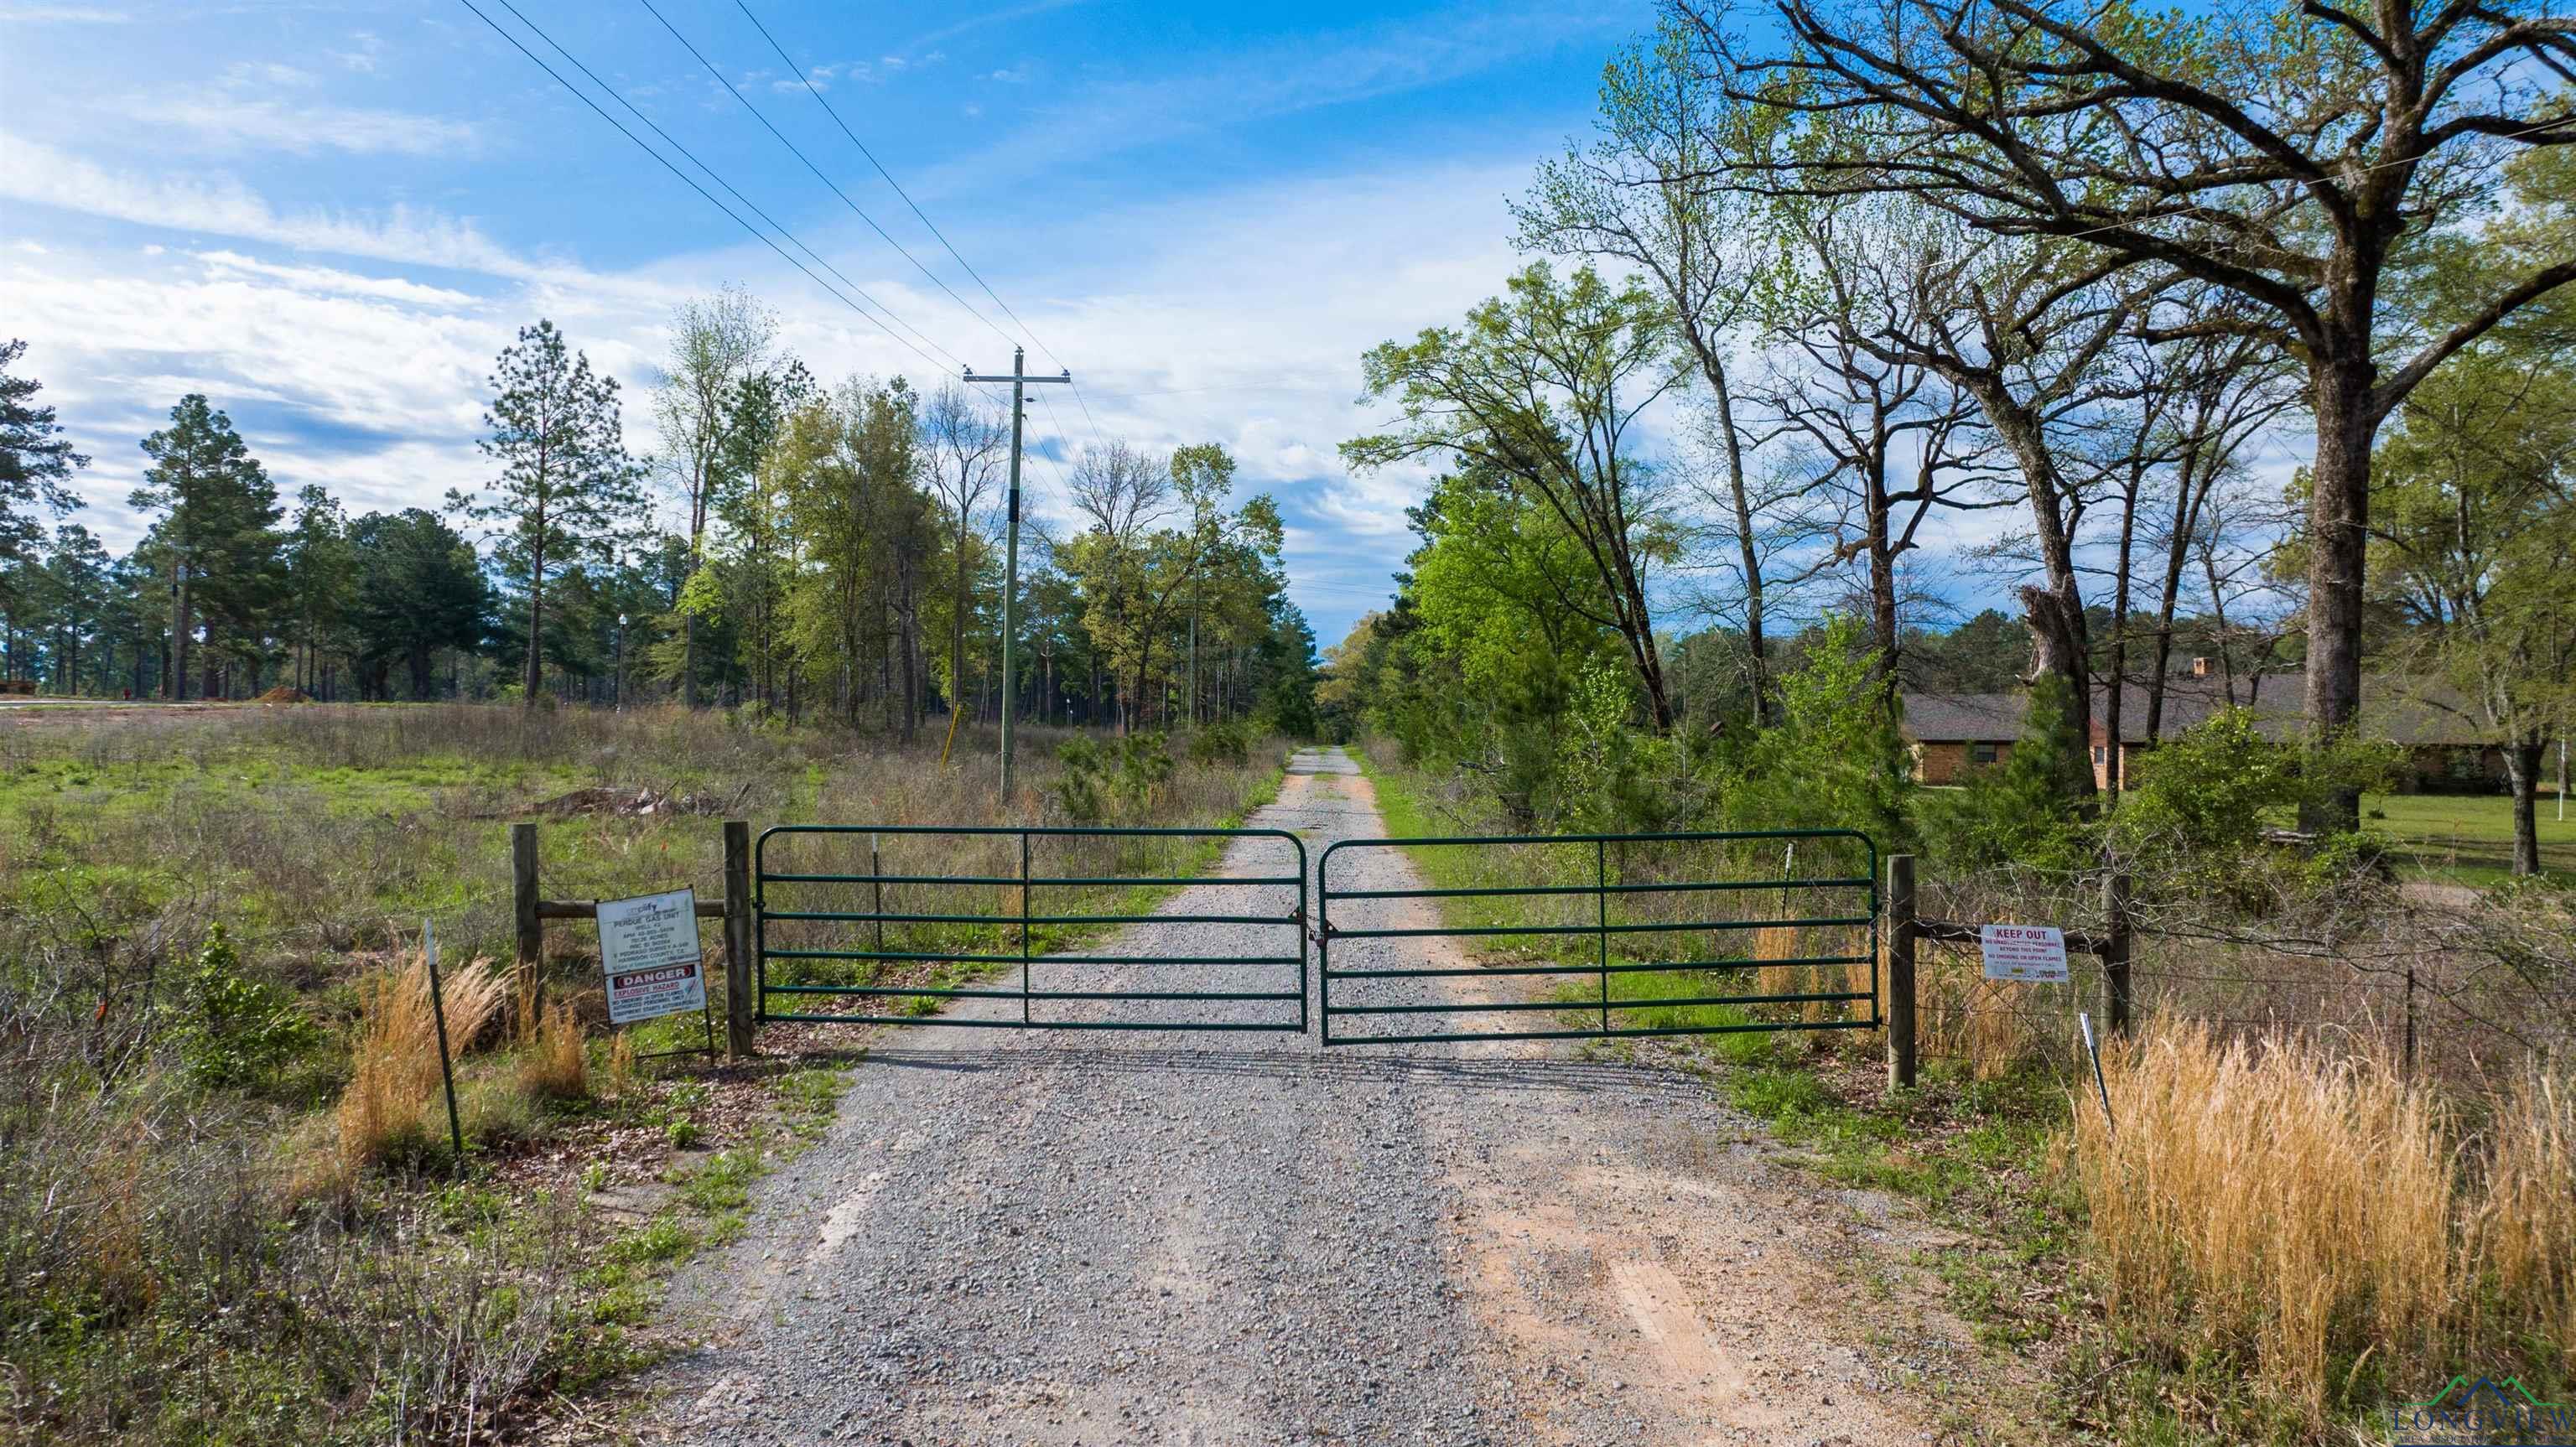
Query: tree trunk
[[176, 688], [689, 652], [1748, 557], [2338, 529], [2115, 690], [2522, 769], [535, 676], [2056, 612]]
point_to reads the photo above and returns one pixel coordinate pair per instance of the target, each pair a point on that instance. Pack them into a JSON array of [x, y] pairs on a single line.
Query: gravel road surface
[[1233, 1238]]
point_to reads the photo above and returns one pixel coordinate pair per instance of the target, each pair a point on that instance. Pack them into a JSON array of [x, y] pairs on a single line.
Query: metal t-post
[[1019, 380]]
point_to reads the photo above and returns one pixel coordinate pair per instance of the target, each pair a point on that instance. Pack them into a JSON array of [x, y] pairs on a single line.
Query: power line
[[537, 60], [933, 227], [792, 148], [748, 203], [923, 216]]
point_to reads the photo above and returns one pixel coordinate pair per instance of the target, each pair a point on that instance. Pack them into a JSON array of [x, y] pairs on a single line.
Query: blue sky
[[330, 216]]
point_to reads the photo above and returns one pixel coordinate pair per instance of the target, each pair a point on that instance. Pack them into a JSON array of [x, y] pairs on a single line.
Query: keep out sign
[[2031, 952], [648, 948]]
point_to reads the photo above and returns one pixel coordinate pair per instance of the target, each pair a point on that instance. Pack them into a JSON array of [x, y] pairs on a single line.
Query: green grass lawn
[[2468, 838]]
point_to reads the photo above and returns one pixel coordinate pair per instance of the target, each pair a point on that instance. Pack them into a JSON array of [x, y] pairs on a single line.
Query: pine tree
[[416, 590], [566, 480], [35, 466], [217, 531]]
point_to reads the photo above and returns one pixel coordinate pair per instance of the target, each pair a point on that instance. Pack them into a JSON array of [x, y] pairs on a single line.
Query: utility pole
[[1019, 380]]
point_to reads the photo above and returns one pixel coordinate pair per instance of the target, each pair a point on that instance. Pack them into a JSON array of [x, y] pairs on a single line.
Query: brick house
[[1950, 733]]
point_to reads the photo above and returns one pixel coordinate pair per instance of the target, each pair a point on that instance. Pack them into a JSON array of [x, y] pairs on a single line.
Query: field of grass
[[2468, 838], [234, 1215]]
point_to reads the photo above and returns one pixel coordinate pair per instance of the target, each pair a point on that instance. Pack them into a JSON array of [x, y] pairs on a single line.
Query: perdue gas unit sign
[[2032, 952], [648, 948]]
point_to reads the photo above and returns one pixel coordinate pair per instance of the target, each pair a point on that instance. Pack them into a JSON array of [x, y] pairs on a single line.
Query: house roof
[[2408, 711], [1955, 718]]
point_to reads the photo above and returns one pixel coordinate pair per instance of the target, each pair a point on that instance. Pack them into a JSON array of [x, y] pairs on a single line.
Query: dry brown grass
[[621, 1066], [554, 1061], [2319, 1219], [396, 1052], [2525, 1224]]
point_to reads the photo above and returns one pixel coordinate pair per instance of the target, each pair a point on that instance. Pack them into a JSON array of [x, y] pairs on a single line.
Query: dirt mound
[[284, 694]]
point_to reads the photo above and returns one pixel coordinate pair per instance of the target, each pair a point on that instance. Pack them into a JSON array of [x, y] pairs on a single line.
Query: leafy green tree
[[758, 546], [717, 343], [1831, 759], [318, 579], [2027, 809], [2473, 527], [1650, 193], [854, 613], [566, 483], [416, 589], [79, 581], [36, 464], [216, 532], [1542, 387]]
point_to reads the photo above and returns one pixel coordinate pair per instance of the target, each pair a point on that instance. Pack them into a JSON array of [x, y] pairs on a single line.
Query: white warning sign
[[2032, 952], [648, 948]]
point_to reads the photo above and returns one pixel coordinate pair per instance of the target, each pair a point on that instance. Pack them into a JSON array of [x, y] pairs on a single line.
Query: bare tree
[[963, 448], [1888, 438], [1643, 194]]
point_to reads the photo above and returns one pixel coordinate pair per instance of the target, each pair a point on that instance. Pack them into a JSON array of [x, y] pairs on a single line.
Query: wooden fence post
[[2115, 952], [523, 897], [737, 929], [1900, 972]]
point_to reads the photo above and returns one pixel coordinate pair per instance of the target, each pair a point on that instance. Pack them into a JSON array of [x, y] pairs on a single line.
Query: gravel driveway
[[1203, 1237]]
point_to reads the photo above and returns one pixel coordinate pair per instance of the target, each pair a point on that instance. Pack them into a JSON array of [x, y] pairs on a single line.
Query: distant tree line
[[830, 553]]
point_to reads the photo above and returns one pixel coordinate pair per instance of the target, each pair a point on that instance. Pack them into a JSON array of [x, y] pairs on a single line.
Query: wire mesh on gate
[[1598, 935], [926, 915]]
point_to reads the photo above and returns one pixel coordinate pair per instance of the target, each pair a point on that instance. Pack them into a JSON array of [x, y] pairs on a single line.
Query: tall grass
[[2321, 1229], [396, 1065]]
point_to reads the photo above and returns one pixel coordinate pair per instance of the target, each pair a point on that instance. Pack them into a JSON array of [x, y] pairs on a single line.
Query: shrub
[[239, 1031], [1083, 793], [1221, 743], [1831, 758], [2028, 810], [1100, 784]]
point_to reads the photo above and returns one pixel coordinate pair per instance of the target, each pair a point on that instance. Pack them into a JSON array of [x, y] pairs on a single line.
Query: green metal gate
[[1643, 948], [903, 934]]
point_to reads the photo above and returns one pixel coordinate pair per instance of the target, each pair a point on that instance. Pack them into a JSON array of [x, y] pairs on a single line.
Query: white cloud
[[62, 15], [43, 175], [243, 111], [1008, 76], [342, 283], [366, 50]]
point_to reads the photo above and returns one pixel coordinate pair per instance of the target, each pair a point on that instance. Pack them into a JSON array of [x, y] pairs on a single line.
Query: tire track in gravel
[[1229, 1238]]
